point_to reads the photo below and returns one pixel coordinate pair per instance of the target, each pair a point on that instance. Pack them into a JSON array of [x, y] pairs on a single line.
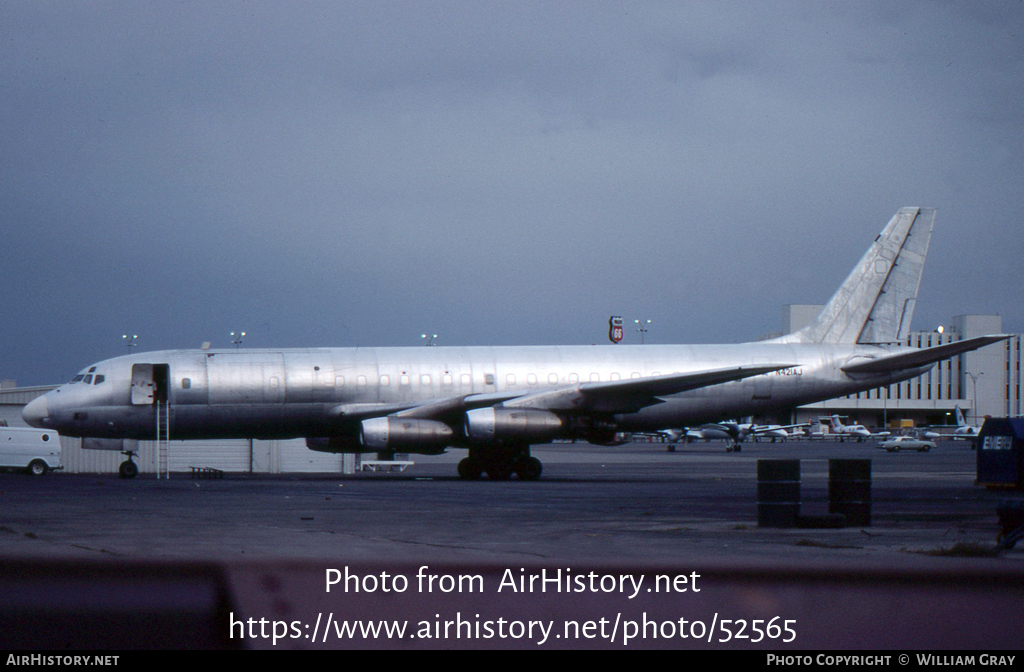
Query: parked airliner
[[497, 401]]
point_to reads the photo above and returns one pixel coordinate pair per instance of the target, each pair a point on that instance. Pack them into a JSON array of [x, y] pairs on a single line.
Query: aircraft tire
[[529, 469], [36, 468], [128, 469], [469, 469]]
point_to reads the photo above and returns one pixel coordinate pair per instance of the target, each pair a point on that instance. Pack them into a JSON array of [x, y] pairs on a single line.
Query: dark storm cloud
[[358, 173]]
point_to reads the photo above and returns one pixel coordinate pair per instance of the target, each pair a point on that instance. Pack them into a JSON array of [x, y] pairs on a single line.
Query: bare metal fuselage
[[318, 392]]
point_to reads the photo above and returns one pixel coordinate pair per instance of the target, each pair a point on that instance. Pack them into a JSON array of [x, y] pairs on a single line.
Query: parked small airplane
[[964, 430], [498, 401], [733, 432], [858, 432]]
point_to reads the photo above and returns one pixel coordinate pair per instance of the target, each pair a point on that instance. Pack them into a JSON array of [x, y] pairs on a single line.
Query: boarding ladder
[[163, 438]]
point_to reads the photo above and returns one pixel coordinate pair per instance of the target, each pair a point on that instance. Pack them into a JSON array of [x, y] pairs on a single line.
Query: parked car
[[899, 443]]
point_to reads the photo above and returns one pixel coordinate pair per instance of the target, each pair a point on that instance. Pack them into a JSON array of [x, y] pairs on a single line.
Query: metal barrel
[[778, 493], [849, 490]]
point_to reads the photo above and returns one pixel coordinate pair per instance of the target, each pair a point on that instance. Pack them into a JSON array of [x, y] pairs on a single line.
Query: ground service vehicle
[[35, 451]]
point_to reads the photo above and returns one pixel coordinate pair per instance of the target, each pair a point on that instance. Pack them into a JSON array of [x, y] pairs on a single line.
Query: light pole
[[237, 339], [974, 380], [129, 341], [429, 338], [642, 328]]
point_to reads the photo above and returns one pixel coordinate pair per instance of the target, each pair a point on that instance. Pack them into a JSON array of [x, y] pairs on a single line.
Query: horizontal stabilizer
[[918, 358]]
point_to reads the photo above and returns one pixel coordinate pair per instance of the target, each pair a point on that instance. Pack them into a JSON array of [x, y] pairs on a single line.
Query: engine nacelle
[[484, 425], [411, 435]]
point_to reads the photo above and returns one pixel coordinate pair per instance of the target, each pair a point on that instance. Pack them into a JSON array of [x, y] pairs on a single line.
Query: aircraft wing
[[435, 409], [922, 357], [628, 396], [617, 396]]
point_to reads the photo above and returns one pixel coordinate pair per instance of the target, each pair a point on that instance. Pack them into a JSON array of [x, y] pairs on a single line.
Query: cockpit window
[[78, 378], [99, 379], [87, 379], [91, 369]]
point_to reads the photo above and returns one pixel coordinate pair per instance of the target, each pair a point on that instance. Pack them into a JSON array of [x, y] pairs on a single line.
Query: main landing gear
[[500, 463], [128, 468]]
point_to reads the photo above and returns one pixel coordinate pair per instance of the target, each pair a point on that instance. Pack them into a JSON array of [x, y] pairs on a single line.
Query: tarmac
[[264, 546]]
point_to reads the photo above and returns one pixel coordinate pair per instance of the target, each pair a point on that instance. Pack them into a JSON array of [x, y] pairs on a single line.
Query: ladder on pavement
[[163, 439]]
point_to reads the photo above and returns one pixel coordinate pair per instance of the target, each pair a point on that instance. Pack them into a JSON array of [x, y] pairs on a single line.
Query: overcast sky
[[494, 172]]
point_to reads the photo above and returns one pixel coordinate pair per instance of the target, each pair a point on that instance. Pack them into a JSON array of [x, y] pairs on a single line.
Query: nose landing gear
[[128, 468]]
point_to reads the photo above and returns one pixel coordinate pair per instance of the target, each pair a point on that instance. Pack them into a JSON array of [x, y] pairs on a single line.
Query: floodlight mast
[[642, 328]]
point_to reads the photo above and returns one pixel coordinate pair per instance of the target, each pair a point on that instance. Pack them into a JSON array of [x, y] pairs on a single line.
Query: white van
[[34, 450]]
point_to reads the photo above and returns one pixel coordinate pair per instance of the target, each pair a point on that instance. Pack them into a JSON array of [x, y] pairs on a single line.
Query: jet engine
[[484, 425], [389, 434]]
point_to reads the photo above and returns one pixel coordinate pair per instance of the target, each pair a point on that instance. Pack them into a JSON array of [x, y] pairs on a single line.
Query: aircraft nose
[[36, 412]]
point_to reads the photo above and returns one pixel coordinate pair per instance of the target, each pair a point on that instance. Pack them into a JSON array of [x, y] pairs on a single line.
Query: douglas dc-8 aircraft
[[497, 401]]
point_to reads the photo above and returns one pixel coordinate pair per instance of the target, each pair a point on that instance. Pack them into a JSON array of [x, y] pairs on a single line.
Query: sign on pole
[[615, 328]]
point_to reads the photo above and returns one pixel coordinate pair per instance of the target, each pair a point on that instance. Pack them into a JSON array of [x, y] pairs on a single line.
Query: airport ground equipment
[[849, 490], [32, 450], [1000, 453], [778, 493]]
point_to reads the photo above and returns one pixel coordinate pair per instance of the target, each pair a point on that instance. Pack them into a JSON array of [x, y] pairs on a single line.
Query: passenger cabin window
[[489, 379], [404, 380], [339, 381], [574, 378], [424, 380], [532, 379], [186, 383], [553, 378], [361, 381], [446, 379], [385, 381], [510, 379], [466, 380]]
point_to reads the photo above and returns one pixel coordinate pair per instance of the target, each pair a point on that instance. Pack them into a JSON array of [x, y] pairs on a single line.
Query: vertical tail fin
[[960, 422], [876, 302]]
